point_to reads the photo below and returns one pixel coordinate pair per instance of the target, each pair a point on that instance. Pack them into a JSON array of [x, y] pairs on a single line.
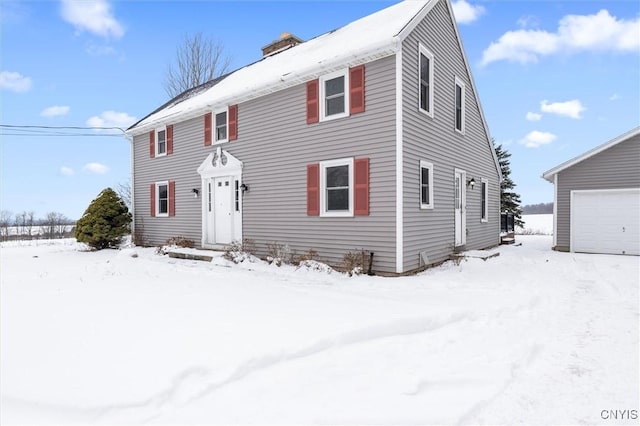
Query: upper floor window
[[425, 72], [484, 217], [161, 142], [220, 126], [334, 95], [459, 105], [426, 185]]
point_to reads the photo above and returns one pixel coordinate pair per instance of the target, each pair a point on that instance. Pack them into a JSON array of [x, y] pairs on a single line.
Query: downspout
[[555, 211]]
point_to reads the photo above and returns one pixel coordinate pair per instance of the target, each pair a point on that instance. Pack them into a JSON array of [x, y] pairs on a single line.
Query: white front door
[[223, 222], [221, 175], [459, 208], [218, 213]]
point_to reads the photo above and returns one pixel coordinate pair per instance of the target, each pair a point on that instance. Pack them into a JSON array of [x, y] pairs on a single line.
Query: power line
[[28, 126], [62, 134], [38, 130]]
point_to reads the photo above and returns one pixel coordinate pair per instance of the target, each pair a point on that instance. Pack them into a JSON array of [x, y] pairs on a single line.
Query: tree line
[[25, 226], [541, 208]]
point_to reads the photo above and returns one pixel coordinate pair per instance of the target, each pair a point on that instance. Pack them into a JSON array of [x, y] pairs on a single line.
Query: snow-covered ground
[[531, 336], [536, 224]]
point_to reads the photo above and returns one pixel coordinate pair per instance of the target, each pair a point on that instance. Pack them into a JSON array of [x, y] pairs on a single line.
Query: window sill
[[334, 117], [336, 214], [425, 112], [426, 206]]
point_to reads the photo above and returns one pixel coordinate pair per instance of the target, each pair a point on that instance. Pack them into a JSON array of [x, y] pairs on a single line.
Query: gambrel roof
[[549, 174]]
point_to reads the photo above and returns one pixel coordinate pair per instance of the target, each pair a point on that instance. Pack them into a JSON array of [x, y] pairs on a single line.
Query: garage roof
[[549, 174]]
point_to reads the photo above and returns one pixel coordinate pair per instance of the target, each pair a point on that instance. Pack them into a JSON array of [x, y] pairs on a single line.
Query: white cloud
[[536, 139], [571, 108], [598, 32], [534, 116], [66, 171], [465, 12], [54, 111], [521, 46], [96, 168], [94, 16], [14, 81], [121, 120], [614, 97]]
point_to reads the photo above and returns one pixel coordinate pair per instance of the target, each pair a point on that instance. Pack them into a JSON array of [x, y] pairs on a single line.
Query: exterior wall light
[[471, 182]]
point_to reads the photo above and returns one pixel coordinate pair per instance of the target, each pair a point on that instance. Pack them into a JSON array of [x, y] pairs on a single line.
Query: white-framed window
[[221, 126], [162, 198], [459, 105], [426, 185], [161, 141], [334, 95], [484, 204], [425, 80], [336, 187]]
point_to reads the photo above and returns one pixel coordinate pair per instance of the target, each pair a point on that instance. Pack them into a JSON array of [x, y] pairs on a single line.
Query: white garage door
[[606, 221]]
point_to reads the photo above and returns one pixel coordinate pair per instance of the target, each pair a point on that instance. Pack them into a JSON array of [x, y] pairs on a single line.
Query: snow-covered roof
[[369, 38], [549, 174]]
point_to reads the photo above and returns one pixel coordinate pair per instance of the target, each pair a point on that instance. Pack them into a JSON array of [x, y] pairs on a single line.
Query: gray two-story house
[[367, 137]]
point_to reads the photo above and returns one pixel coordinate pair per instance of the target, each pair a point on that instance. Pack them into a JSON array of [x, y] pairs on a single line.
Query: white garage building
[[597, 199]]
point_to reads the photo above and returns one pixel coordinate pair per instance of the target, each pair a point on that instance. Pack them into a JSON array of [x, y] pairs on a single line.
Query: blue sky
[[555, 79]]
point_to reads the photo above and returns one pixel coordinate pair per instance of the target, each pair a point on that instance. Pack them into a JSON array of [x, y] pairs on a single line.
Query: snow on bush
[[315, 266]]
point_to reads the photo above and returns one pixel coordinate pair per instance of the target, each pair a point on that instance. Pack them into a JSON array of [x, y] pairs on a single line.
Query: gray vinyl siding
[[613, 168], [275, 145], [188, 154], [436, 141]]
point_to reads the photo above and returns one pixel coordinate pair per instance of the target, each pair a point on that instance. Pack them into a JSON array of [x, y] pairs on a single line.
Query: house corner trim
[[399, 167]]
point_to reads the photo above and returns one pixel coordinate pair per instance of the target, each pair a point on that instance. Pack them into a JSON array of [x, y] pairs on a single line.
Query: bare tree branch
[[198, 59], [123, 189], [5, 223]]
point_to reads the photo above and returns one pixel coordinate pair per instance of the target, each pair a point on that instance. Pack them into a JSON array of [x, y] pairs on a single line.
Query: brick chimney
[[285, 41]]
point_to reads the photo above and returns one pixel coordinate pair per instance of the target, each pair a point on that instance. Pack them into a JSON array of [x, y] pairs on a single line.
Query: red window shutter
[[361, 187], [313, 105], [172, 198], [170, 139], [233, 122], [313, 189], [153, 200], [207, 129], [152, 144], [356, 89]]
